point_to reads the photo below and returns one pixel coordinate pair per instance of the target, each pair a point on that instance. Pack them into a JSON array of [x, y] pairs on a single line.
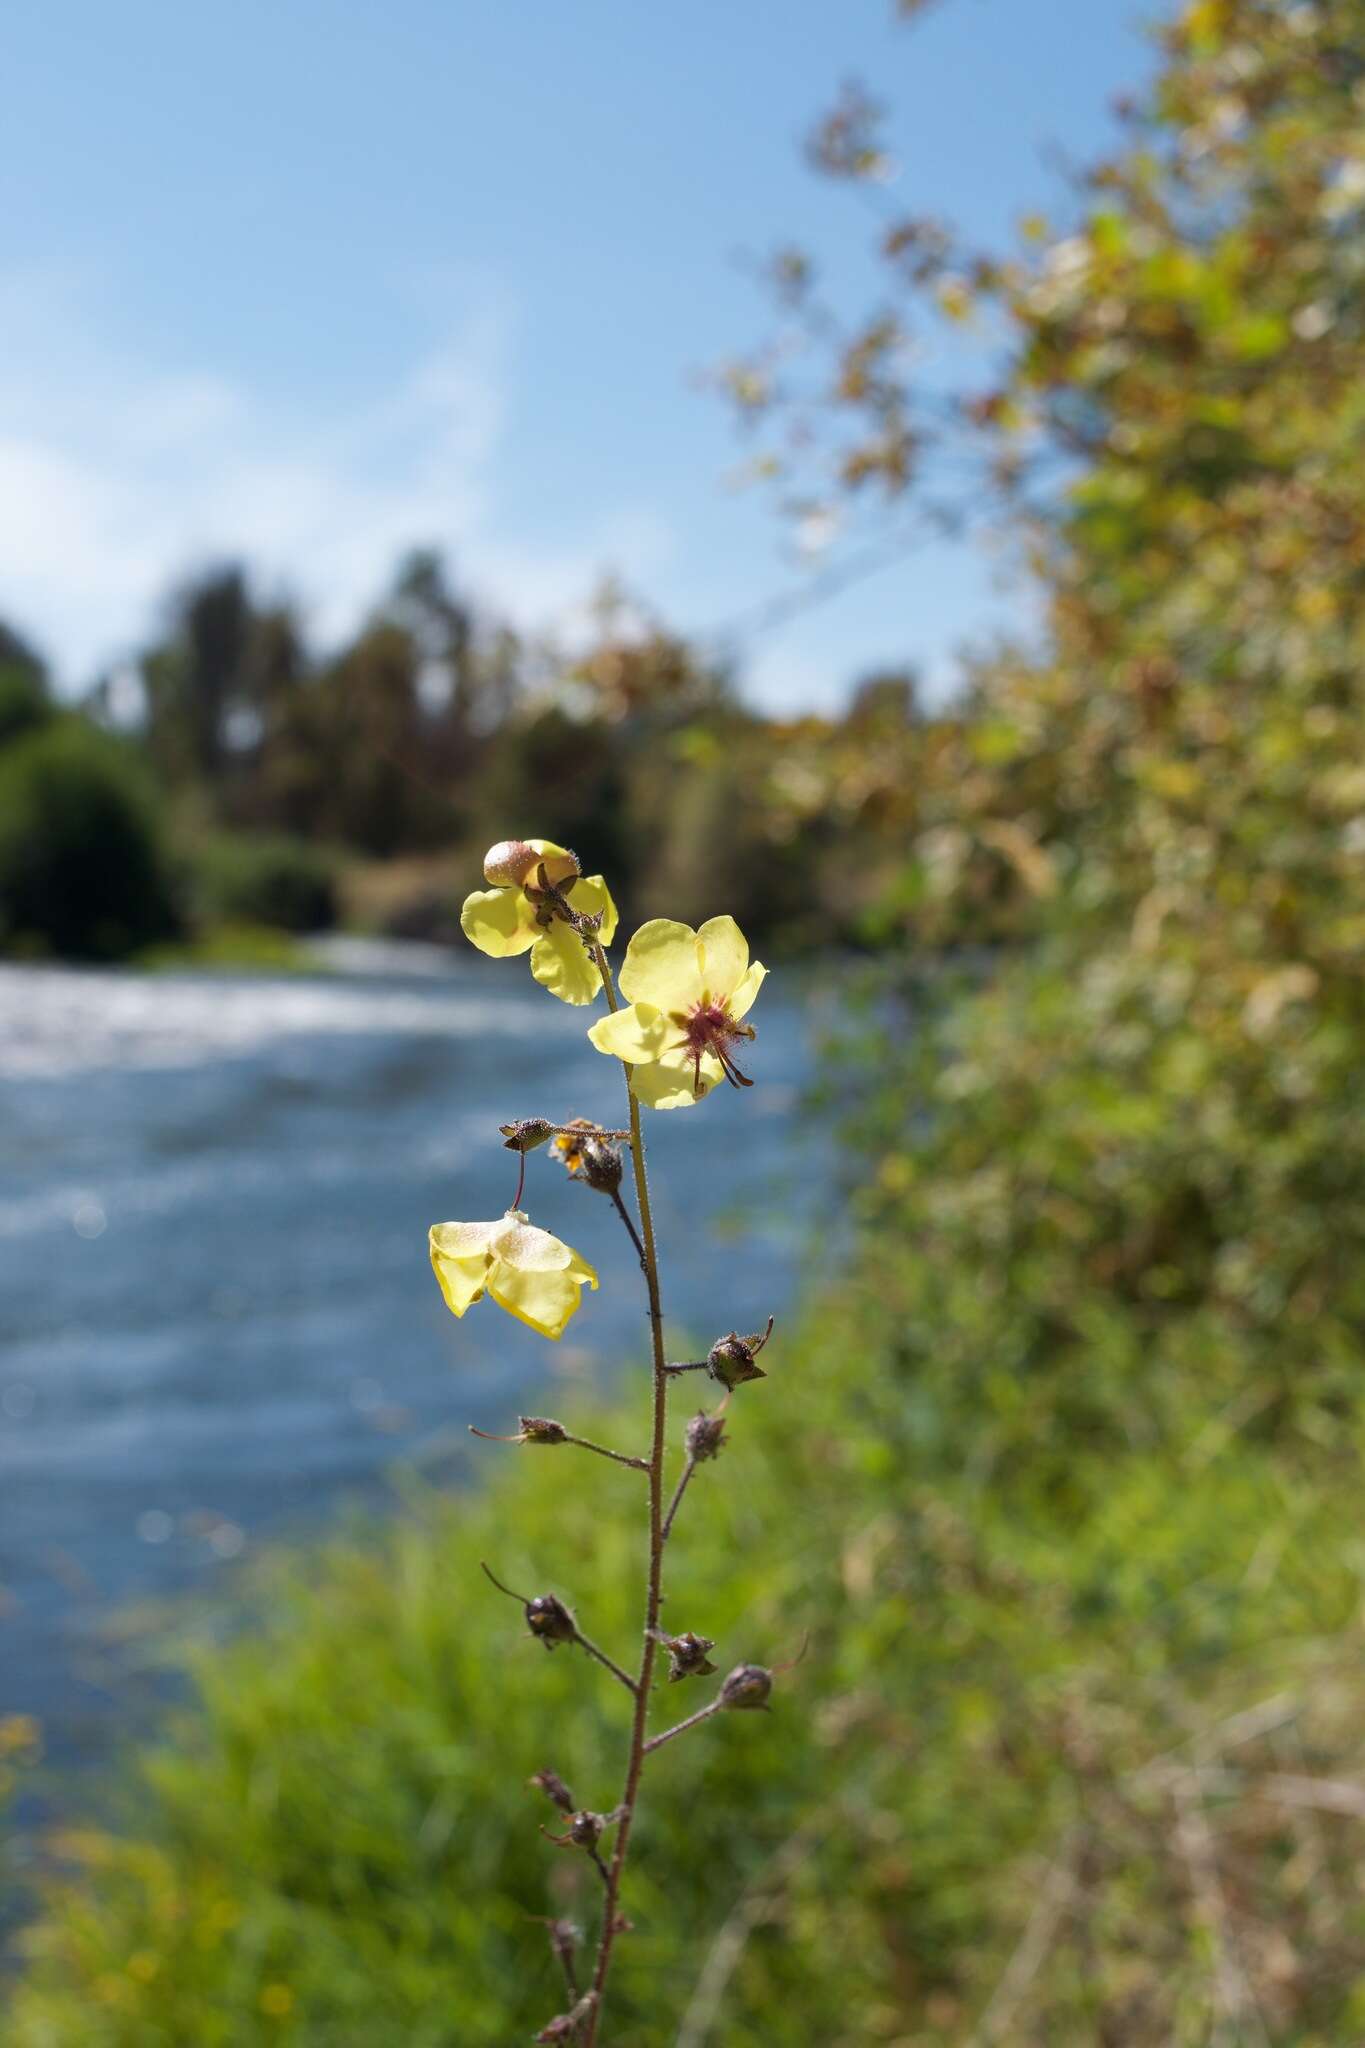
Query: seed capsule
[[525, 1134], [747, 1687], [687, 1656], [704, 1437], [550, 1620], [542, 1429], [731, 1358]]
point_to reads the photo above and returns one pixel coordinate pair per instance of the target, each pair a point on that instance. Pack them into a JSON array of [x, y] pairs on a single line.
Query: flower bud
[[525, 1134], [602, 1165], [515, 863], [704, 1437], [542, 1429], [747, 1686], [508, 863], [550, 1620], [553, 1786], [687, 1656]]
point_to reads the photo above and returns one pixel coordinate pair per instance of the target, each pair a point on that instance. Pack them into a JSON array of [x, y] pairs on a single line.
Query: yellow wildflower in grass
[[529, 1273], [518, 914], [688, 992]]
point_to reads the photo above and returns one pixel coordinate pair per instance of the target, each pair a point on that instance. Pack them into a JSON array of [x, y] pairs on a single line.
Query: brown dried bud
[[542, 1429], [553, 1786], [525, 1134], [704, 1437], [550, 1620], [731, 1359], [687, 1656], [747, 1686]]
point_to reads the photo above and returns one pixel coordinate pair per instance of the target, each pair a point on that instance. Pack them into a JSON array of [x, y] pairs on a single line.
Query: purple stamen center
[[711, 1028]]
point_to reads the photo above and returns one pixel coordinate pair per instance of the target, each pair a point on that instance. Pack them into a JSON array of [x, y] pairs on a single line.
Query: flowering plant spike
[[688, 995]]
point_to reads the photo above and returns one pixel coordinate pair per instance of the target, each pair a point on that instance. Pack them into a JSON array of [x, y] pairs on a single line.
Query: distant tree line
[[269, 783]]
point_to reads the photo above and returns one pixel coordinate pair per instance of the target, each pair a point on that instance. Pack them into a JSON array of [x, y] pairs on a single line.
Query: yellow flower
[[529, 1273], [519, 913], [688, 992]]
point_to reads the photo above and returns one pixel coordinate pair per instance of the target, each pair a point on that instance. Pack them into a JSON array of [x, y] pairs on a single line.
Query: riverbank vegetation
[[1064, 1451], [281, 787]]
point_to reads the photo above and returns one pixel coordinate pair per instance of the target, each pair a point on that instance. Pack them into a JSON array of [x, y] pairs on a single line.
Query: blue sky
[[309, 281]]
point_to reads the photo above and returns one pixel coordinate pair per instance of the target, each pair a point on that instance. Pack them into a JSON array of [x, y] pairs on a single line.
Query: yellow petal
[[724, 956], [591, 895], [463, 1240], [638, 1033], [499, 922], [560, 864], [544, 1301], [461, 1280], [666, 1085], [663, 966], [742, 995], [561, 963], [518, 1243], [580, 1270]]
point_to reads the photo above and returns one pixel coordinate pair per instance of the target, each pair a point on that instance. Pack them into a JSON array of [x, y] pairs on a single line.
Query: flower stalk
[[673, 1024]]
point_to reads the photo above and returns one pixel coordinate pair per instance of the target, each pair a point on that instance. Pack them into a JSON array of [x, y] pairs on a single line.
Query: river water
[[218, 1325]]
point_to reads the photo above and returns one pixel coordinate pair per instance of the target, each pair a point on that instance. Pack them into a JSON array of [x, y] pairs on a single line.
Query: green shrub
[[81, 867], [24, 700], [263, 879]]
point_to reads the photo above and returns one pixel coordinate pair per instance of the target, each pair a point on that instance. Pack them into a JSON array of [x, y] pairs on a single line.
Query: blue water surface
[[217, 1320]]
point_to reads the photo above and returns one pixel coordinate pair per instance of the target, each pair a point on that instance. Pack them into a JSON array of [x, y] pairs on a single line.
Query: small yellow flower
[[518, 914], [529, 1273], [688, 993]]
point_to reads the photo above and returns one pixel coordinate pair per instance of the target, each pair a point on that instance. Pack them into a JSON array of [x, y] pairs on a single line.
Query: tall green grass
[[992, 1750]]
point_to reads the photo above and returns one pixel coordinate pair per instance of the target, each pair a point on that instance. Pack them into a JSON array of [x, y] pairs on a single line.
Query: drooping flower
[[688, 993], [532, 881], [529, 1273]]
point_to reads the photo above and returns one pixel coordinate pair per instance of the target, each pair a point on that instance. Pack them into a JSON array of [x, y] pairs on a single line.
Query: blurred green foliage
[[262, 879], [82, 871], [1060, 1472]]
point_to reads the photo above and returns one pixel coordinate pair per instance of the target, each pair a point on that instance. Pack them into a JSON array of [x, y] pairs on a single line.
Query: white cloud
[[117, 475]]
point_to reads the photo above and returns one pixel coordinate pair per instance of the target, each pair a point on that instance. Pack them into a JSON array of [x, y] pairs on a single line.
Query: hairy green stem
[[688, 1469], [649, 1260], [584, 1644], [681, 1727]]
